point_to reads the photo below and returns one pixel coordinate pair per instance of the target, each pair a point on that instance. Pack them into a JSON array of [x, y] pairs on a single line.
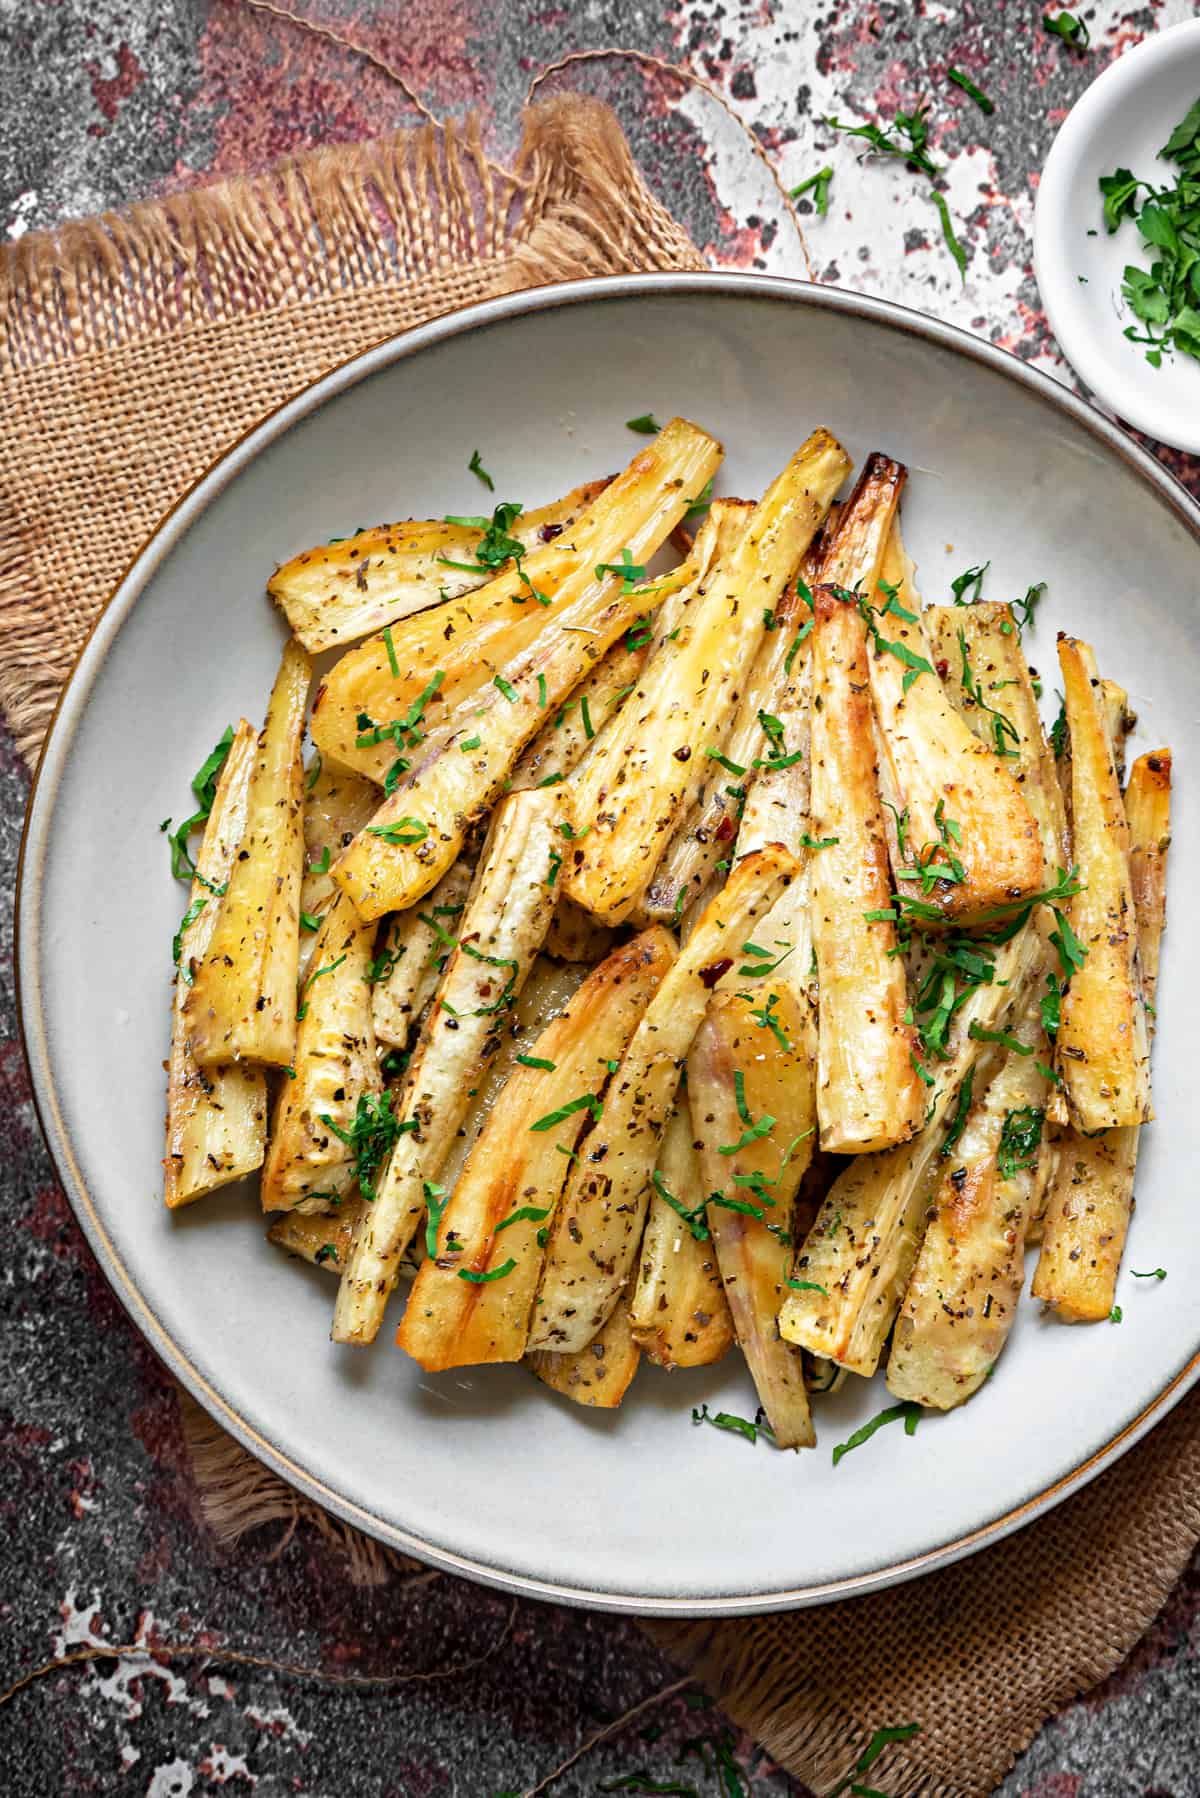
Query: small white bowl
[[1122, 121]]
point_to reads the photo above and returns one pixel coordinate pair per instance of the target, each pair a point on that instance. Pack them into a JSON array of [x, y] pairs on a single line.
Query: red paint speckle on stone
[[109, 90]]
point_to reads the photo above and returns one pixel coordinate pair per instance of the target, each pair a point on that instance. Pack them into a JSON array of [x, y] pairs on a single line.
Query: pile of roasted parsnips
[[606, 900]]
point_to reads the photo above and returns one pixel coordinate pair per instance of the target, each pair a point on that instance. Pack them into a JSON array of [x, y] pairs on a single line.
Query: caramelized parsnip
[[242, 1004], [678, 1309]]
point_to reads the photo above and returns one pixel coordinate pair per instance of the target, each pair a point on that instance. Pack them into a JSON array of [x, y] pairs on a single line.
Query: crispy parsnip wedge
[[598, 1227], [740, 1076], [501, 931], [1091, 1196], [242, 1004], [966, 817], [415, 945], [1119, 720], [1103, 1050], [598, 1375], [441, 664], [216, 1118], [473, 1296], [569, 732], [344, 589], [678, 1310], [989, 683], [859, 1254], [317, 1237], [575, 935], [869, 1094], [962, 1298], [1087, 1219], [336, 806], [1148, 809], [310, 1162], [632, 796]]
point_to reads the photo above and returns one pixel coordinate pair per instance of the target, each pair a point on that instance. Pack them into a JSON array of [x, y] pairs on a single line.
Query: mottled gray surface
[[100, 104]]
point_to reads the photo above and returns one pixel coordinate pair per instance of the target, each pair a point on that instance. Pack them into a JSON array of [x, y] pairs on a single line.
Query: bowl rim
[[51, 767], [1145, 408]]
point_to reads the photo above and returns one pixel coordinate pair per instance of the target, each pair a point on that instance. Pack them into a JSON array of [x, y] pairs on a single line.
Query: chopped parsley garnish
[[1155, 1273], [506, 688], [646, 425], [585, 1102], [314, 773], [1024, 608], [958, 1122], [804, 631], [703, 500], [524, 1214], [472, 742], [1058, 731], [1020, 1139], [1165, 298], [764, 1018], [1115, 1315], [692, 1216], [728, 1420], [967, 587], [883, 1738], [631, 572], [1073, 31], [321, 866], [908, 140], [393, 664], [960, 79], [329, 968], [906, 1413], [1051, 1007], [1071, 952], [723, 761], [765, 962], [496, 1273], [189, 917], [537, 1061], [371, 1137], [475, 465], [978, 1034], [204, 786], [326, 1252], [403, 832], [818, 186], [309, 921], [807, 1286], [436, 1201]]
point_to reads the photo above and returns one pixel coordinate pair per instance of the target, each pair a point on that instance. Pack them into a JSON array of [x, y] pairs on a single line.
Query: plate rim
[[47, 778]]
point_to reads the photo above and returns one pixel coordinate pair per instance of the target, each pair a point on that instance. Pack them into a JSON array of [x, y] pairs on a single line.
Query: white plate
[[1121, 121], [483, 1471]]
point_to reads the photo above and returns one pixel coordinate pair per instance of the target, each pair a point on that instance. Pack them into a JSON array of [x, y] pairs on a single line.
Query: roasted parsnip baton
[[868, 1091], [678, 1310], [1103, 1051], [755, 741], [598, 1375], [412, 954], [598, 1226], [317, 1237], [962, 1298], [335, 1073], [411, 683], [856, 1260], [852, 554], [344, 589], [971, 843], [500, 933], [1091, 1197], [1148, 810], [632, 796], [752, 1088], [473, 1296], [242, 1003], [216, 1118], [988, 680], [336, 806]]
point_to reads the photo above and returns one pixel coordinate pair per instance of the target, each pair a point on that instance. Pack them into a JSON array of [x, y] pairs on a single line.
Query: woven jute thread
[[133, 350]]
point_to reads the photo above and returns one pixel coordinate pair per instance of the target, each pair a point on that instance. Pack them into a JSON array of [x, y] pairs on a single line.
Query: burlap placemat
[[133, 350]]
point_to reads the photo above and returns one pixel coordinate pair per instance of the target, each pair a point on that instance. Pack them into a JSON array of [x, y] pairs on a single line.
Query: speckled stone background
[[104, 101]]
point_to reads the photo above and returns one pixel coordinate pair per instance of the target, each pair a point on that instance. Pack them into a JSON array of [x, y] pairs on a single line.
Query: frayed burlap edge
[[423, 216]]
